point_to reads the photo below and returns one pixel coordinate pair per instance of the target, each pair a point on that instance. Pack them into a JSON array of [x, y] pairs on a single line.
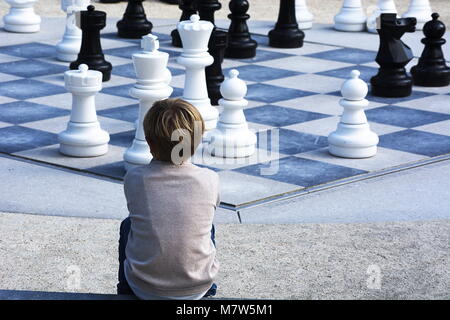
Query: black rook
[[134, 23], [286, 33], [240, 44], [432, 71], [91, 22]]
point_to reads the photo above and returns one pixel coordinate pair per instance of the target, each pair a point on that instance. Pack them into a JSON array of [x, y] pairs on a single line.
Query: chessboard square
[[121, 91], [309, 82], [7, 58], [419, 142], [27, 88], [289, 142], [265, 55], [304, 64], [124, 70], [204, 158], [113, 170], [118, 81], [250, 188], [349, 55], [18, 112], [415, 95], [344, 73], [63, 101], [177, 93], [126, 113], [260, 73], [280, 116], [17, 138], [53, 125], [29, 50], [122, 139], [115, 36], [269, 94], [385, 158], [175, 71], [162, 36], [123, 52], [442, 127], [51, 154], [301, 172], [4, 124], [31, 68], [323, 127], [56, 79], [404, 117], [8, 77], [436, 103]]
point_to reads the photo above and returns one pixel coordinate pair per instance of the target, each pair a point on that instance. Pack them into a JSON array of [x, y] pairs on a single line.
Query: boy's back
[[169, 250]]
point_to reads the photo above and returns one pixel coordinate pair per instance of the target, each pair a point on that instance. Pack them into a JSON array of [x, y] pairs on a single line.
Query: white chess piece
[[421, 10], [232, 138], [304, 17], [21, 17], [382, 6], [195, 35], [351, 17], [150, 66], [353, 137], [67, 49], [83, 137]]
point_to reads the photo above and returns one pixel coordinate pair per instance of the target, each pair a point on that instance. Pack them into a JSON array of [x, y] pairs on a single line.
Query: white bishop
[[353, 137]]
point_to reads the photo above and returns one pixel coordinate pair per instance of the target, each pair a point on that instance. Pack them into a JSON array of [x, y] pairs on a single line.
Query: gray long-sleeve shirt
[[169, 250]]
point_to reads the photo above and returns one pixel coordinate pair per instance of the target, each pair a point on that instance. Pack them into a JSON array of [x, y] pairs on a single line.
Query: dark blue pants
[[123, 287]]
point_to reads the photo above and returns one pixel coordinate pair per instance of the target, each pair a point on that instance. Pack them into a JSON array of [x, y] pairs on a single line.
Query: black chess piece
[[188, 9], [392, 81], [91, 53], [110, 1], [432, 71], [134, 23], [240, 43], [286, 33], [216, 47]]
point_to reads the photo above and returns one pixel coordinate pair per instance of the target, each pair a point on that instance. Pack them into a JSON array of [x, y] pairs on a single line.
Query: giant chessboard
[[293, 99]]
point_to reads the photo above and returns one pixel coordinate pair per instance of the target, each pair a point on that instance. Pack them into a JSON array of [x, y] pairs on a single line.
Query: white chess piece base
[[353, 141], [21, 18], [83, 140]]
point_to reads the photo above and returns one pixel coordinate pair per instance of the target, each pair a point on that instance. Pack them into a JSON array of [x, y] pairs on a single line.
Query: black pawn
[[393, 55], [188, 9], [91, 53], [134, 23], [216, 47], [431, 71], [240, 43], [286, 33]]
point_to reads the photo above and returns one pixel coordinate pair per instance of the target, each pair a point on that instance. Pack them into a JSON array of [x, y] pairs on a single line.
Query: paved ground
[[398, 223], [323, 10]]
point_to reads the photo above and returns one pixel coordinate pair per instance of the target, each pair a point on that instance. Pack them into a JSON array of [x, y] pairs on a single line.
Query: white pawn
[[353, 137], [232, 138], [21, 17], [67, 49], [351, 17], [83, 137], [194, 34], [304, 17], [421, 10], [382, 6], [150, 66]]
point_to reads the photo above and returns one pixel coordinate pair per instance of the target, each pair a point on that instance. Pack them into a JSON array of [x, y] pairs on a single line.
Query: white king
[[150, 66], [195, 35], [232, 138]]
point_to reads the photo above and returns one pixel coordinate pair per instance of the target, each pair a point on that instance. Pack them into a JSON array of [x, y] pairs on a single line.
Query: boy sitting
[[166, 246]]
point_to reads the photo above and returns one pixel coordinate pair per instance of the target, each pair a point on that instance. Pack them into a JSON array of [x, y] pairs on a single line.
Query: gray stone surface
[[297, 261], [421, 193]]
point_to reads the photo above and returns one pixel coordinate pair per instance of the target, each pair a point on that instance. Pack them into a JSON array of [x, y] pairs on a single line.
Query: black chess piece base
[[133, 31], [391, 83], [134, 24], [286, 38], [425, 77], [240, 50]]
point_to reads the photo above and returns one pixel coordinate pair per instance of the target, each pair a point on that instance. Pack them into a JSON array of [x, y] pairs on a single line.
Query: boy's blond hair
[[175, 127]]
